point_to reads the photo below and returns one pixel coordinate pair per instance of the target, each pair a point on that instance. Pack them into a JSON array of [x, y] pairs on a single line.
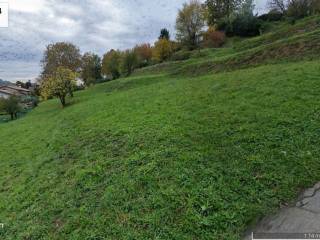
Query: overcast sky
[[93, 25]]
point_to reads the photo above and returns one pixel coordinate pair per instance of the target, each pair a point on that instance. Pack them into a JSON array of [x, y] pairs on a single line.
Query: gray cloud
[[93, 25]]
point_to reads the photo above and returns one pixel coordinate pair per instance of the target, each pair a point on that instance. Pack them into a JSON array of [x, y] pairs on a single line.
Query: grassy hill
[[281, 44], [196, 149]]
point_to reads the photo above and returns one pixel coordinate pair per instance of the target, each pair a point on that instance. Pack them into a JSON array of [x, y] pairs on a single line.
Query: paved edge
[[301, 217]]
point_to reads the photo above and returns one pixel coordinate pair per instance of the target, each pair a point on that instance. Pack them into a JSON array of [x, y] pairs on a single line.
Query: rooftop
[[14, 88], [6, 91]]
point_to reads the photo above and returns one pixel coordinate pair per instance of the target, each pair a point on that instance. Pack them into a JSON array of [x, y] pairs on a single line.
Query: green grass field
[[166, 154]]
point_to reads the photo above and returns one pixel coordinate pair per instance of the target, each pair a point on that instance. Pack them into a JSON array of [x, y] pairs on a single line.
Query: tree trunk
[[12, 116], [70, 92], [63, 101]]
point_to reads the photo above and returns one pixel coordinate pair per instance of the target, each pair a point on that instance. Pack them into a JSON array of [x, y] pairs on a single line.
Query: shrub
[[226, 25], [272, 16], [213, 38], [241, 25], [111, 64], [162, 50], [246, 26], [291, 20], [128, 62], [10, 106], [29, 101], [144, 54]]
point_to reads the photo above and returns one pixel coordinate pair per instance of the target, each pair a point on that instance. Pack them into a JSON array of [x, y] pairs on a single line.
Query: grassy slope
[[162, 156], [284, 43]]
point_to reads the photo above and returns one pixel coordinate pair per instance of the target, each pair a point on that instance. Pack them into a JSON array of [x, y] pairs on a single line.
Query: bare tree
[[190, 22], [295, 8], [315, 6], [300, 8], [280, 5]]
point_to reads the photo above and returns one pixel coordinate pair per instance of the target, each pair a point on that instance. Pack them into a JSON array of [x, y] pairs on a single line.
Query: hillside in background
[[3, 82], [193, 149]]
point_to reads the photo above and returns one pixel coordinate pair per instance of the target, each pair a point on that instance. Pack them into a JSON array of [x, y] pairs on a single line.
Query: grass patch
[[173, 152], [296, 48], [283, 31], [162, 157]]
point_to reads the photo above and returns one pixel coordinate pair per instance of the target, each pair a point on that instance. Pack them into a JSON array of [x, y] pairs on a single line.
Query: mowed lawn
[[162, 157]]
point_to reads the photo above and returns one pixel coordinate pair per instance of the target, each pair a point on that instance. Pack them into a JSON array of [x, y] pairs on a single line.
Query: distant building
[[23, 94], [14, 90], [5, 93]]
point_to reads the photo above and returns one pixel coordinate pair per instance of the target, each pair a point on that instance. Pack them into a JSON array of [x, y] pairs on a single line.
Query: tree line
[[197, 25], [295, 8]]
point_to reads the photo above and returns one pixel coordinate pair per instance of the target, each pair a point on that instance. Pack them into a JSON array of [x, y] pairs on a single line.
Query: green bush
[[31, 101], [225, 25], [291, 20], [11, 106], [246, 26], [272, 16], [241, 25]]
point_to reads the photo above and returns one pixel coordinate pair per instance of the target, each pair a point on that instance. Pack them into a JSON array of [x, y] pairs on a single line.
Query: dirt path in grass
[[303, 217]]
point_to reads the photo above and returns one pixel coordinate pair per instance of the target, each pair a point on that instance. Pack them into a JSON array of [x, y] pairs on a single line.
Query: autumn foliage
[[61, 83], [163, 50], [111, 64], [144, 54], [213, 38]]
